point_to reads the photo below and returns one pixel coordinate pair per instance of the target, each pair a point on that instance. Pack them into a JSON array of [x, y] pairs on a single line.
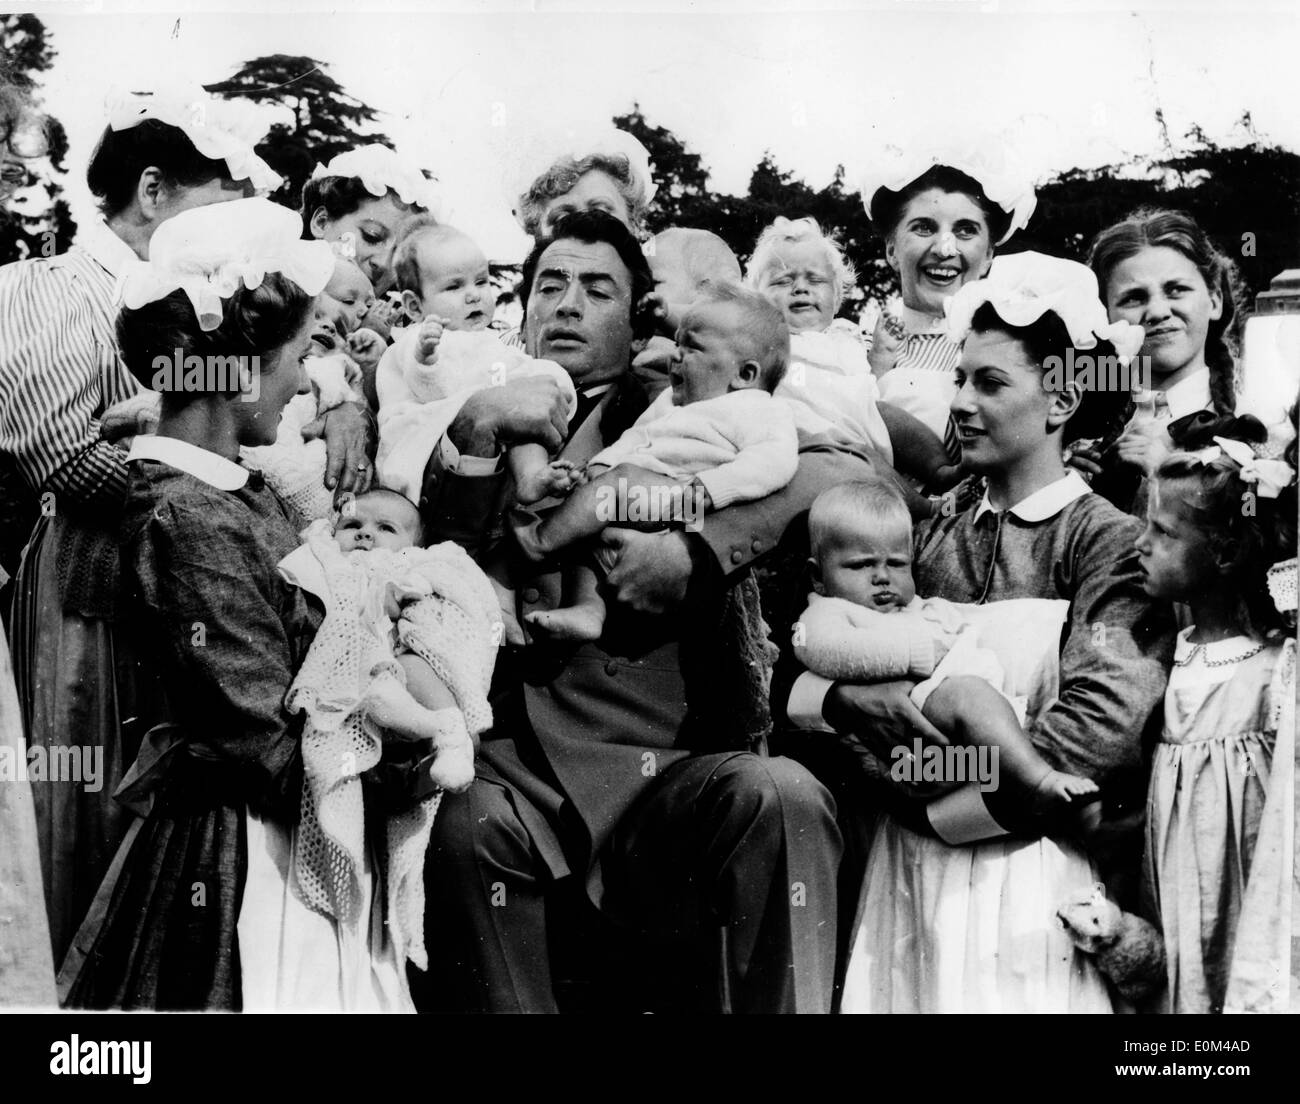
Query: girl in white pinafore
[[1221, 805]]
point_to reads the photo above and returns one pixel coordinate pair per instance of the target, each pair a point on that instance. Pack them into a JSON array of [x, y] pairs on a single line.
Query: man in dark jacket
[[625, 768]]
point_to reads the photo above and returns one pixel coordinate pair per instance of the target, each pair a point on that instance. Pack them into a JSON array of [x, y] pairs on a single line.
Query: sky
[[462, 89]]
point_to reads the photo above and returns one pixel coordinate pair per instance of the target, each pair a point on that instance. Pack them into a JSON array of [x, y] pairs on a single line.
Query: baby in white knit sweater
[[865, 623], [715, 437]]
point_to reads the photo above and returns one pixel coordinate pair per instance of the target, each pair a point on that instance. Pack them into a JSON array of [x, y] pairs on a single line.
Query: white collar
[[106, 249], [1044, 503], [1190, 394], [1214, 653], [214, 470]]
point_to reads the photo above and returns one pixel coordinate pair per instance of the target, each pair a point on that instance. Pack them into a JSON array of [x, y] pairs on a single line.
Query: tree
[[34, 218], [324, 119], [1246, 196], [683, 180]]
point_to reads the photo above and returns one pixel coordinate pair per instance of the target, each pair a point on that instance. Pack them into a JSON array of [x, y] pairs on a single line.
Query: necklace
[[1216, 662]]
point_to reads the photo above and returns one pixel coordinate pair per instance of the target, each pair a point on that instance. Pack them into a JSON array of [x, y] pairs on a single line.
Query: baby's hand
[[427, 339], [556, 478], [667, 316], [652, 364], [366, 347], [886, 342]]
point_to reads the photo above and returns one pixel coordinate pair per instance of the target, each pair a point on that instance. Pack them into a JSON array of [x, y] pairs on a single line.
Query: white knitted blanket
[[449, 617]]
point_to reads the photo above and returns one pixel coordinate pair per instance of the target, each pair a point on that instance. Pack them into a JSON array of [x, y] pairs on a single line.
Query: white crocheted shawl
[[449, 617]]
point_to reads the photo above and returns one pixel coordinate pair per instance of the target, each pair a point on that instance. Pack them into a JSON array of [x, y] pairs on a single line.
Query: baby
[[394, 691], [683, 263], [341, 368], [446, 292], [718, 427], [805, 274], [865, 623], [401, 595], [345, 311]]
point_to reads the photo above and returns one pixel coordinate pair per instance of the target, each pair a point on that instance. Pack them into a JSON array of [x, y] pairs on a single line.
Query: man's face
[[580, 310]]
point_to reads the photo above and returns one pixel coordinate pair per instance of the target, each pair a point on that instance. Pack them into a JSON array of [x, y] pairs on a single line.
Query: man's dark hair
[[592, 228]]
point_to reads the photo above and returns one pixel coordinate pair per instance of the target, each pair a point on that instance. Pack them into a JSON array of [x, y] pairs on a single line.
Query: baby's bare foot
[[555, 478], [572, 623], [1067, 787], [1069, 795], [453, 766]]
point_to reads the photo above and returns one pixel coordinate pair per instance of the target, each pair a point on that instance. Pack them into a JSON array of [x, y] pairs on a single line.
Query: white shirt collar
[[106, 249], [1044, 503], [214, 470], [1189, 395]]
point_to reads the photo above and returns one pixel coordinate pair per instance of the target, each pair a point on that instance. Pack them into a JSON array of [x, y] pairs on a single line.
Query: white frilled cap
[[221, 129], [209, 251], [538, 155], [380, 169], [1005, 182], [1022, 287]]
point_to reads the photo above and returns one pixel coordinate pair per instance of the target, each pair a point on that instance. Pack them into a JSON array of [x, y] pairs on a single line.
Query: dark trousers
[[730, 851]]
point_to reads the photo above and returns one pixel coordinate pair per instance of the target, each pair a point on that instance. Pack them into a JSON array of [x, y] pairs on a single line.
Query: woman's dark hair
[[1247, 533], [1103, 411], [122, 155], [254, 323], [593, 227], [1152, 227], [339, 195], [887, 207]]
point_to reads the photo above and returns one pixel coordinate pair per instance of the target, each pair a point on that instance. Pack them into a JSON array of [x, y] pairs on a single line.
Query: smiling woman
[[941, 216], [358, 201]]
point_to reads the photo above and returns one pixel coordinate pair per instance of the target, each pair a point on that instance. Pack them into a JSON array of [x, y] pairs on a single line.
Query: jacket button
[[756, 546], [737, 556], [611, 668], [532, 594]]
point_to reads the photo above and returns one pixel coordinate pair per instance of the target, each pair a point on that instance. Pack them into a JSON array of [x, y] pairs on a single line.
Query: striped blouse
[[60, 369], [922, 381]]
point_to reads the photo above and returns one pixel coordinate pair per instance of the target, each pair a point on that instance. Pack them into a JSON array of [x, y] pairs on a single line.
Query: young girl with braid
[[1159, 269]]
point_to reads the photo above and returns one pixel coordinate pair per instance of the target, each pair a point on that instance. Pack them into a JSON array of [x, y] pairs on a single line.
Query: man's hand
[[652, 570], [530, 409], [346, 430]]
